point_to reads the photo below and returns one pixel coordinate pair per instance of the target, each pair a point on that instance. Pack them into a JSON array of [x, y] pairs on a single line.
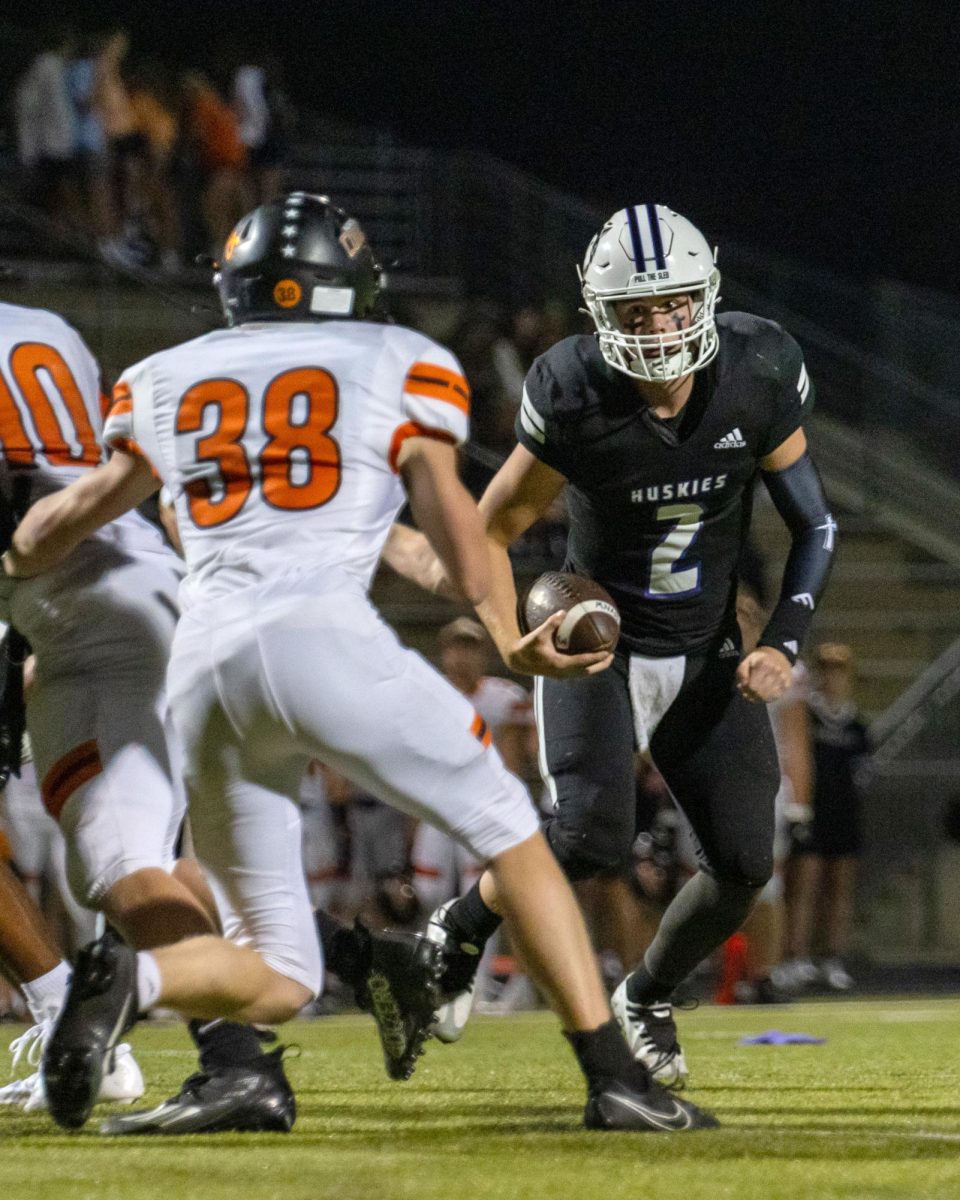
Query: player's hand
[[537, 654], [764, 675]]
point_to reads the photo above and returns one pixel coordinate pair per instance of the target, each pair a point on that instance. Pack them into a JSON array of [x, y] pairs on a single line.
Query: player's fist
[[764, 675]]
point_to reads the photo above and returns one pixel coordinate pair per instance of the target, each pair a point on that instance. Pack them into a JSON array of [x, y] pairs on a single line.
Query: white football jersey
[[51, 415], [279, 441], [51, 405]]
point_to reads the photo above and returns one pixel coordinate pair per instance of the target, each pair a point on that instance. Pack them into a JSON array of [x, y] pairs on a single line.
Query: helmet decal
[[233, 241], [287, 293], [352, 238], [640, 257]]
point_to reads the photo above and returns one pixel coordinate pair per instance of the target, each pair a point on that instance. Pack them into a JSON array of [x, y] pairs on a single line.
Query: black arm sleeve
[[798, 496]]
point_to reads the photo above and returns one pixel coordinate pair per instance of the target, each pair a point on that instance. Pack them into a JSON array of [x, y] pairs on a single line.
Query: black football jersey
[[659, 509]]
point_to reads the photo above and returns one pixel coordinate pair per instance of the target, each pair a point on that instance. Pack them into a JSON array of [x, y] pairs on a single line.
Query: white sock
[[149, 984], [45, 995]]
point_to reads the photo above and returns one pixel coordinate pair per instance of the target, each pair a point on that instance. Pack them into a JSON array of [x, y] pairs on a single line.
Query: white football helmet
[[650, 250]]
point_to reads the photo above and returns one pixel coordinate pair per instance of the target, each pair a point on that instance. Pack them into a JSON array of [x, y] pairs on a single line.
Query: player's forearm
[[498, 611], [58, 523], [52, 528], [447, 514], [798, 496]]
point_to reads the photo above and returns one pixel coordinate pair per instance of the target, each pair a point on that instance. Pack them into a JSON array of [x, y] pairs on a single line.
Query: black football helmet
[[297, 258]]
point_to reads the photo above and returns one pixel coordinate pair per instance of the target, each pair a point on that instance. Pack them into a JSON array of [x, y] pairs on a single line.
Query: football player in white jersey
[[288, 442], [100, 627]]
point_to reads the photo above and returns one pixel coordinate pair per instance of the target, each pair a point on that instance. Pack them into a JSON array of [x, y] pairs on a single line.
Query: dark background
[[827, 132]]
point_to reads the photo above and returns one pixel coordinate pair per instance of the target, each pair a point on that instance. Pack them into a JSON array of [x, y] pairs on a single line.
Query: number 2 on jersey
[[686, 521], [298, 466]]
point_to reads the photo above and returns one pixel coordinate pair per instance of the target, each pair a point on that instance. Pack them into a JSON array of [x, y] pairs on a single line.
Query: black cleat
[[401, 989], [254, 1097], [101, 1006], [642, 1105]]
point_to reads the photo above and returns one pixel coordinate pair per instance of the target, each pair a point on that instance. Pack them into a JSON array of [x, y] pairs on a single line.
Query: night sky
[[828, 132]]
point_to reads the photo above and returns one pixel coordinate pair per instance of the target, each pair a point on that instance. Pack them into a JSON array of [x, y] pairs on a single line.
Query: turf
[[873, 1114]]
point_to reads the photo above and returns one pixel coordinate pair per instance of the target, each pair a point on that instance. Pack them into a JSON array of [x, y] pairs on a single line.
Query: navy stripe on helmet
[[638, 255], [654, 220]]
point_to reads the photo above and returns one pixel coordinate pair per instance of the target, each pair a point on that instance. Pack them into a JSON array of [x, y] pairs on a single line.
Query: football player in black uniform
[[657, 426]]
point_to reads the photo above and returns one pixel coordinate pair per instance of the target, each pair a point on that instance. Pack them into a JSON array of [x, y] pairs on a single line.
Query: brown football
[[592, 622]]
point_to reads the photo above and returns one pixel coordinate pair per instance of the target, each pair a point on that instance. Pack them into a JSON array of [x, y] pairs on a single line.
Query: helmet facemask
[[680, 264]]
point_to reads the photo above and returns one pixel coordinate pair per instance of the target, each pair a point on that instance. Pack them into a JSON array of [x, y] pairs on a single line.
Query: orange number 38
[[302, 450]]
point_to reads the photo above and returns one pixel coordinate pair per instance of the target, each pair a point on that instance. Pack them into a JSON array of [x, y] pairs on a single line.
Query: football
[[592, 622]]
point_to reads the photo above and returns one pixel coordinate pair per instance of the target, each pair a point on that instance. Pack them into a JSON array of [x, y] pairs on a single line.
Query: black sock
[[343, 951], [603, 1054], [225, 1043], [471, 920], [642, 988]]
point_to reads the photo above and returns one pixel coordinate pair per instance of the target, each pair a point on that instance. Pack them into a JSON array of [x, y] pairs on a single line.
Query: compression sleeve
[[797, 494]]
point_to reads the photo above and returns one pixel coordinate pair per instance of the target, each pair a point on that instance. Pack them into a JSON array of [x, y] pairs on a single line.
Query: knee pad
[[583, 853]]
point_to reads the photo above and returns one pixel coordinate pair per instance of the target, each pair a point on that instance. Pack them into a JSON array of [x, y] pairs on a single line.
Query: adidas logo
[[730, 441], [729, 649]]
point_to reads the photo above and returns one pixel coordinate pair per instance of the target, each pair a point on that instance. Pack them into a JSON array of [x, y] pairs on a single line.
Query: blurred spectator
[[156, 127], [264, 118], [492, 410], [514, 352], [326, 839], [825, 857], [209, 130], [91, 141], [125, 148], [47, 130]]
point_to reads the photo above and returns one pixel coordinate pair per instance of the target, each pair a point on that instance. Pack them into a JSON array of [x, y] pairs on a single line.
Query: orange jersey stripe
[[120, 408], [479, 729], [69, 772], [427, 379], [414, 429]]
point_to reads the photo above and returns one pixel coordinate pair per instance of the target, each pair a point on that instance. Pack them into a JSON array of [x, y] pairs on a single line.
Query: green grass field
[[874, 1113]]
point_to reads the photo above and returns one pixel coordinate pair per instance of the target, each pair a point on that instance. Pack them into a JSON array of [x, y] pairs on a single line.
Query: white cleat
[[122, 1083], [651, 1034], [460, 963]]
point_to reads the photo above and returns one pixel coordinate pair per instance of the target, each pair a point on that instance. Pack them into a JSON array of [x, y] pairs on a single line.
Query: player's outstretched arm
[[447, 514], [519, 494], [59, 522]]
